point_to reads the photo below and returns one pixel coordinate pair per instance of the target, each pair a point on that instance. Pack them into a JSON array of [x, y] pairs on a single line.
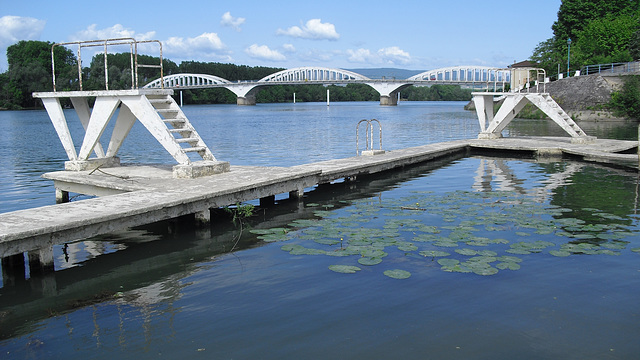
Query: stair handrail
[[133, 44], [540, 77], [369, 134]]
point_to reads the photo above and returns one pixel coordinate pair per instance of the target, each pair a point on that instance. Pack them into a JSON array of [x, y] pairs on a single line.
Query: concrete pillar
[[389, 100], [41, 261], [296, 194], [203, 217], [62, 196], [42, 272], [13, 270], [248, 100]]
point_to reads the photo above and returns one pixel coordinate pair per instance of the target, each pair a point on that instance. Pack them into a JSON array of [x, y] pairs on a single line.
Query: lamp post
[[568, 55]]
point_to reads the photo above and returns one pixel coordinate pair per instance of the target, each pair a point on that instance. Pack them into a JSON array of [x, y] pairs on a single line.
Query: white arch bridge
[[473, 76]]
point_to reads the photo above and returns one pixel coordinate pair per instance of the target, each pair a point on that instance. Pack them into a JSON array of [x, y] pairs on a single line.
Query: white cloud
[[289, 48], [114, 32], [394, 55], [360, 56], [234, 22], [391, 56], [16, 28], [202, 47], [205, 45], [263, 52], [314, 29]]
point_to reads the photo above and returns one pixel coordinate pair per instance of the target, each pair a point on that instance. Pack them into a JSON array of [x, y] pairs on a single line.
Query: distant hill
[[379, 73]]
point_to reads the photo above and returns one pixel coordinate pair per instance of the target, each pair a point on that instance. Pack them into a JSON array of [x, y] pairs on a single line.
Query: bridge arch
[[465, 74], [187, 81], [312, 74]]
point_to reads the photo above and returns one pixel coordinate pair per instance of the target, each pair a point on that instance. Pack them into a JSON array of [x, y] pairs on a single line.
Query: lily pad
[[327, 241], [344, 269], [407, 247], [467, 252], [559, 253], [508, 266], [448, 262], [369, 261], [484, 271], [397, 274]]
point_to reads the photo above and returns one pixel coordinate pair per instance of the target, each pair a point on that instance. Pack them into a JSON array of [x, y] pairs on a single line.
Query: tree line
[[601, 32], [30, 71]]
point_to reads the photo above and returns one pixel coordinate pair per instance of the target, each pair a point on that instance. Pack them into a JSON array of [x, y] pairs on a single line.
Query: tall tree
[[612, 21], [575, 15], [30, 70]]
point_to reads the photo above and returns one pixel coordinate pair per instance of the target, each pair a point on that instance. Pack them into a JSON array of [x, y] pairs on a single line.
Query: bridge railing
[[133, 45]]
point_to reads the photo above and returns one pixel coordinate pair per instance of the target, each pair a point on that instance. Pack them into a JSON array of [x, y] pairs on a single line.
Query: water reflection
[[496, 175]]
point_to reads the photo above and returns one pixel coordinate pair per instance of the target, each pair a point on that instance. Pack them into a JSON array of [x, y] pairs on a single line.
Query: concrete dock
[[142, 194]]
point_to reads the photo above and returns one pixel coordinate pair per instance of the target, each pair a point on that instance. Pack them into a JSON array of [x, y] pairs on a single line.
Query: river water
[[476, 257]]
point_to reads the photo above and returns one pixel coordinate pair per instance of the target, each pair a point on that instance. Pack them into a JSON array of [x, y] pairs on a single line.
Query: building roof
[[523, 64]]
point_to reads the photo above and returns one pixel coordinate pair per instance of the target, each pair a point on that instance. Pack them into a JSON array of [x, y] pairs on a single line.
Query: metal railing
[[523, 78], [133, 44], [369, 135], [613, 68]]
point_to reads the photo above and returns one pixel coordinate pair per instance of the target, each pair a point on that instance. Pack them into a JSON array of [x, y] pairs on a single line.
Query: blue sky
[[417, 35]]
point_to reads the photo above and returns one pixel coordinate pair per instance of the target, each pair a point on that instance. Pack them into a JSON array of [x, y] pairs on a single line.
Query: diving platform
[[492, 123], [156, 110]]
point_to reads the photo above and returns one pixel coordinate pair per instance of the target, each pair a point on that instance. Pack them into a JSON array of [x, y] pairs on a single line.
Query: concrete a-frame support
[[246, 93], [388, 91], [491, 125], [154, 108]]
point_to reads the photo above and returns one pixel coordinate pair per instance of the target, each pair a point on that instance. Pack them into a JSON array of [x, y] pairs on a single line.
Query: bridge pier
[[389, 100], [246, 100]]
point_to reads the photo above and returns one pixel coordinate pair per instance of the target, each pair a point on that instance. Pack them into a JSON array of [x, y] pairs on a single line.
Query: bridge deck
[[147, 193]]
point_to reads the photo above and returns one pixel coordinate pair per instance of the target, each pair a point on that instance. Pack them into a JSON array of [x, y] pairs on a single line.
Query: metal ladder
[[369, 150]]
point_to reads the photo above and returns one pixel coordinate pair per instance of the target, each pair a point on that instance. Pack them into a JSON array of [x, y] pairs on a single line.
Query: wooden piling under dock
[[134, 195]]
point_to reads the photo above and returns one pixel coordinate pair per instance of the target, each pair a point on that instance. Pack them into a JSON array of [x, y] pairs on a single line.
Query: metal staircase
[[178, 125]]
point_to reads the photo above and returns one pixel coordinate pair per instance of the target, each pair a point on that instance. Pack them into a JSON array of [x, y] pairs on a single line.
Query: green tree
[[606, 40], [120, 65], [605, 26], [634, 45], [30, 71], [626, 102], [575, 15]]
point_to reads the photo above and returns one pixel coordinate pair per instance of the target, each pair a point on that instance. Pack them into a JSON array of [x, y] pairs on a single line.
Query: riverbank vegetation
[[30, 71], [601, 32], [626, 102]]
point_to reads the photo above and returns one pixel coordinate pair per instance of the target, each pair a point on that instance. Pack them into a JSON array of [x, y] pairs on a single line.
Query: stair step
[[180, 130], [187, 140], [163, 100], [195, 149], [175, 121], [168, 113]]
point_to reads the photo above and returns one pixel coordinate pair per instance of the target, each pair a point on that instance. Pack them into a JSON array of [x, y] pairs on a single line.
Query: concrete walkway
[[143, 194]]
